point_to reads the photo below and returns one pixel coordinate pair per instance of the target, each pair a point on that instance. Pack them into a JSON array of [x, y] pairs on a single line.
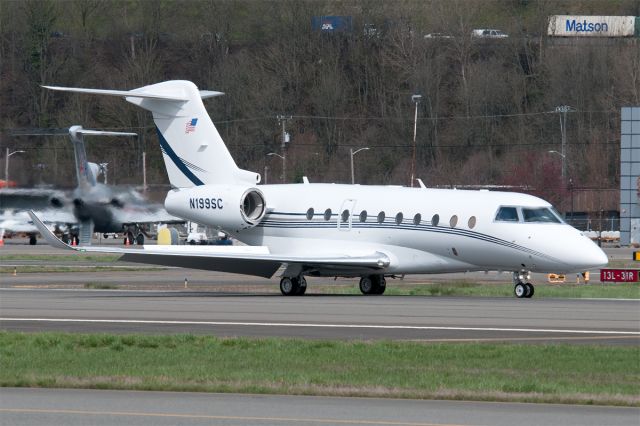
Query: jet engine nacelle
[[229, 207]]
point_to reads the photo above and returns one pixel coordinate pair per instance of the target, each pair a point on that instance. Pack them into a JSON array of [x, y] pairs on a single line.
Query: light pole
[[353, 180], [416, 99], [284, 162], [6, 163], [563, 109]]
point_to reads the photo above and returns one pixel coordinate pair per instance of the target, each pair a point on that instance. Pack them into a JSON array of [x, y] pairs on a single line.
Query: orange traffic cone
[[126, 241], [74, 241]]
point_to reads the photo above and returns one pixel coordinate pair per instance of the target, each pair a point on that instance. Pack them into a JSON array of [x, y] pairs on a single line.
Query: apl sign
[[591, 26]]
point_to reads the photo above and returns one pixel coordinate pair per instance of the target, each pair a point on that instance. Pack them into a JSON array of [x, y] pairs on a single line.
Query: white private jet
[[371, 232]]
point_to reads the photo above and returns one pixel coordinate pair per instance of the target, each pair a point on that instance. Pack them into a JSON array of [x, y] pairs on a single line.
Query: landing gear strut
[[373, 284], [293, 286], [522, 289]]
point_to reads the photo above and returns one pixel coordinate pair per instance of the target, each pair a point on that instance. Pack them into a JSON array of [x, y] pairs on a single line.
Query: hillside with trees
[[487, 114]]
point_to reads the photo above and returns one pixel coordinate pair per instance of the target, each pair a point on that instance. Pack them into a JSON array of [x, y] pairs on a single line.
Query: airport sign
[[619, 275]]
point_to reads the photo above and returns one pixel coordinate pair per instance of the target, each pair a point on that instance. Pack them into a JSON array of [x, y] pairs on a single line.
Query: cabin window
[[453, 221], [435, 220], [363, 216], [381, 217], [417, 218], [327, 214], [399, 218], [507, 214], [345, 216], [310, 213], [541, 214], [472, 222]]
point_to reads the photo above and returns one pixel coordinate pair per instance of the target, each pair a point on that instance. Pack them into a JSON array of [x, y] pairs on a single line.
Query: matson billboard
[[591, 26]]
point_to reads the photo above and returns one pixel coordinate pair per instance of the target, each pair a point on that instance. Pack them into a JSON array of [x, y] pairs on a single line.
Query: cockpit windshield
[[527, 214], [507, 214], [540, 214]]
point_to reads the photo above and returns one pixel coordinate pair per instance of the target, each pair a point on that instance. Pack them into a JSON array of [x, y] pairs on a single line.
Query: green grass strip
[[584, 374], [470, 288]]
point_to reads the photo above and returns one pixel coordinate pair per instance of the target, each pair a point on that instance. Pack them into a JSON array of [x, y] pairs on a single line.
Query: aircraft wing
[[249, 260], [19, 221]]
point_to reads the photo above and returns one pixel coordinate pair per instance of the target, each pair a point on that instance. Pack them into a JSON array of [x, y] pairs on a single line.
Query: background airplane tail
[[193, 151]]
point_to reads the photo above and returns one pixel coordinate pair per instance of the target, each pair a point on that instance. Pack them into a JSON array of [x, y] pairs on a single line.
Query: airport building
[[630, 175]]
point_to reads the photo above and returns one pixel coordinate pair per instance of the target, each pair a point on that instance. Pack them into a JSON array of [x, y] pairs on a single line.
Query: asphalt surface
[[611, 322], [99, 407]]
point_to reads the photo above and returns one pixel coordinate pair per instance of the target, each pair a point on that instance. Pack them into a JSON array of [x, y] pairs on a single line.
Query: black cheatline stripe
[[166, 149], [270, 223]]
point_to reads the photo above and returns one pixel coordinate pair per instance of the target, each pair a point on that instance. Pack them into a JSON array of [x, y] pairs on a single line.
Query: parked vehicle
[[488, 33]]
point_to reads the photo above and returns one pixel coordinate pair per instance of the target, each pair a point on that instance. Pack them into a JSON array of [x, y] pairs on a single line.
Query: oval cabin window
[[454, 221], [310, 214], [472, 222], [327, 214]]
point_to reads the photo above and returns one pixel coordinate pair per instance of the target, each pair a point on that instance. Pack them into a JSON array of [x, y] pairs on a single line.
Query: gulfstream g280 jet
[[371, 232]]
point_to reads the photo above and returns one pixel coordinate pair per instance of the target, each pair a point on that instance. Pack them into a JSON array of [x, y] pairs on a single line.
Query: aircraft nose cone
[[594, 257]]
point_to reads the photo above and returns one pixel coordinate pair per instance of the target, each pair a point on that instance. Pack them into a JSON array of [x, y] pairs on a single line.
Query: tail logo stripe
[[166, 148]]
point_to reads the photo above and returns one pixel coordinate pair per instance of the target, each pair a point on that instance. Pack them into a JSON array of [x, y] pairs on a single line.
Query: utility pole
[[282, 119]]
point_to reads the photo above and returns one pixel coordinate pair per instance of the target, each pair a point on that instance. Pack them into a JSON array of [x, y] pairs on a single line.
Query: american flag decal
[[191, 125]]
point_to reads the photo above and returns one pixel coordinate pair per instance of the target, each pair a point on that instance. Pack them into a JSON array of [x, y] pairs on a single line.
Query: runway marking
[[312, 325], [212, 417]]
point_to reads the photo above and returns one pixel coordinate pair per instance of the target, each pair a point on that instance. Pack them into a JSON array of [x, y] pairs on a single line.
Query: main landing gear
[[295, 286], [521, 287], [373, 284]]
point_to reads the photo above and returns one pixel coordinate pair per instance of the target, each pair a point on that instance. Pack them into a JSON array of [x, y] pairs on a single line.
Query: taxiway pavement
[[323, 317], [20, 406]]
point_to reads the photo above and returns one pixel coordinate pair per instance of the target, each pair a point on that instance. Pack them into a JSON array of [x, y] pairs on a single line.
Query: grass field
[[496, 372]]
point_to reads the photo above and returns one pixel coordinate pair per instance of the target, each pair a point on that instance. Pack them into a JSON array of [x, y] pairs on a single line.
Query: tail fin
[[85, 171], [193, 151]]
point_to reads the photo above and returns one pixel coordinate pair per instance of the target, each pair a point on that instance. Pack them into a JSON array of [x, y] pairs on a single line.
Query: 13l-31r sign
[[619, 275]]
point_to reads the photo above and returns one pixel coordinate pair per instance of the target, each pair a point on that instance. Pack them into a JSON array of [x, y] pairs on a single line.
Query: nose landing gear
[[522, 289]]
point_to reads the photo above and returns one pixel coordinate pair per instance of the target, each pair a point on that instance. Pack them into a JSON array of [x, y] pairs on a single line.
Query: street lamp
[[415, 99], [6, 164], [564, 109], [284, 162], [352, 154]]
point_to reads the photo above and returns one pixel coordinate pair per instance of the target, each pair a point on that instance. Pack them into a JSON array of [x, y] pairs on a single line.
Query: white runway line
[[312, 325]]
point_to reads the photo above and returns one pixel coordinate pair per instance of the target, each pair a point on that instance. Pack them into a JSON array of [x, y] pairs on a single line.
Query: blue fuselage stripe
[[166, 148]]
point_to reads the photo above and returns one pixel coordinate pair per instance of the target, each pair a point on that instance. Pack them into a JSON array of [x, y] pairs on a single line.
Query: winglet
[[47, 234]]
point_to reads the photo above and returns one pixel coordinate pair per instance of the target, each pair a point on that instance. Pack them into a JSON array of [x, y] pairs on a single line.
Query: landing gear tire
[[366, 285], [295, 286], [373, 284], [287, 288], [140, 239], [302, 286], [381, 285], [33, 240], [520, 290], [530, 290]]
